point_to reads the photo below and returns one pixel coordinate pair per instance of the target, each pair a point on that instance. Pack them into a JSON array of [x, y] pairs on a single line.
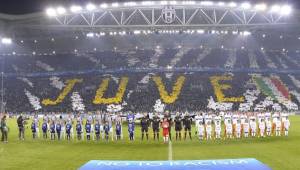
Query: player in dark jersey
[[68, 130], [79, 130], [131, 126], [58, 130], [97, 130], [106, 131], [33, 129], [45, 129], [52, 130], [88, 129], [118, 130], [169, 119], [178, 126], [187, 122], [145, 126], [155, 126]]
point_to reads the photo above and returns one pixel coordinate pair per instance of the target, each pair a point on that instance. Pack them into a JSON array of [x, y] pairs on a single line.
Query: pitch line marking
[[170, 152]]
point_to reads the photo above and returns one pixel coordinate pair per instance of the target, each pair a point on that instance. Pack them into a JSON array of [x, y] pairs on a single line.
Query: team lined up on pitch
[[109, 127]]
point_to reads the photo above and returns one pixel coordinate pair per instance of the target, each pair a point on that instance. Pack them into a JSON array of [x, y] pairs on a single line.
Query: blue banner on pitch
[[224, 164]]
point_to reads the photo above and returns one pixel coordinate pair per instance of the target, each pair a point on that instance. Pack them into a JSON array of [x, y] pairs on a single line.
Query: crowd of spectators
[[141, 93]]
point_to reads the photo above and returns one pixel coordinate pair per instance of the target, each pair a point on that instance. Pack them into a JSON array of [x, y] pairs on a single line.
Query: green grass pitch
[[280, 153]]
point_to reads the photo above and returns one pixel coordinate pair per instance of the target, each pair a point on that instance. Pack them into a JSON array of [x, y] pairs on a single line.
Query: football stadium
[[154, 85]]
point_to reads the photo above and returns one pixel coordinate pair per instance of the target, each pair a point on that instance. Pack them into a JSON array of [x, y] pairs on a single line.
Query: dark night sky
[[29, 6]]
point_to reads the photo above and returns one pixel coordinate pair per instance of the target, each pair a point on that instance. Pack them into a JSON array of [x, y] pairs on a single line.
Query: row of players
[[236, 125]]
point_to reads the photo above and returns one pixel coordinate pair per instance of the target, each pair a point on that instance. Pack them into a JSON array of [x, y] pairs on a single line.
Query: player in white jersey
[[246, 128], [260, 116], [208, 129], [286, 125], [278, 126], [227, 117], [201, 130], [268, 116], [268, 127], [228, 127], [243, 118], [253, 126], [208, 118], [238, 129], [262, 127], [284, 116], [218, 126], [198, 119]]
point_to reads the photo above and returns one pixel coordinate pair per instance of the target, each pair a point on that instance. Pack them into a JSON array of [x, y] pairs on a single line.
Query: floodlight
[[103, 6], [76, 9], [275, 8], [235, 32], [188, 2], [163, 2], [285, 10], [130, 3], [246, 33], [147, 3], [246, 5], [51, 12], [200, 31], [90, 7], [221, 3], [6, 41], [61, 10], [137, 32], [90, 34], [232, 4], [206, 3], [114, 4], [173, 2], [260, 7]]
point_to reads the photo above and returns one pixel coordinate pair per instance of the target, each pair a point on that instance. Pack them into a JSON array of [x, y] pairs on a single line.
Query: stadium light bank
[[280, 9], [6, 41]]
